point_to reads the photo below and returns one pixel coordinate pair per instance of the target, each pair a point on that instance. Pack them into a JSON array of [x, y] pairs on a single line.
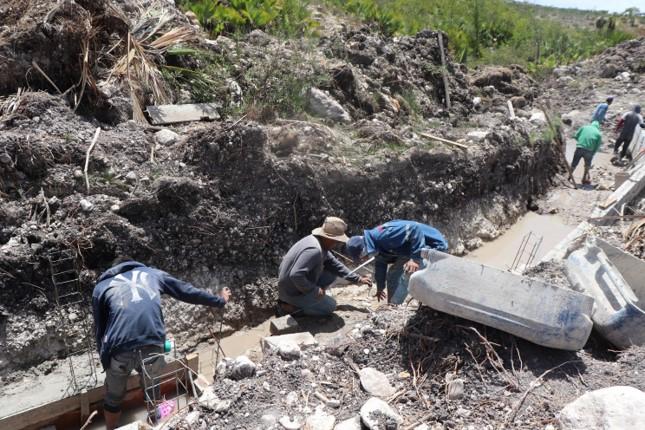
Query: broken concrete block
[[375, 382], [617, 314], [201, 383], [527, 308], [378, 415], [289, 351], [283, 325], [170, 114], [613, 408], [272, 343]]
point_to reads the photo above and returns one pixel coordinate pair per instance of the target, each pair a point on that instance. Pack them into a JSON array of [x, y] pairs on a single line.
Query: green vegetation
[[491, 31], [285, 17]]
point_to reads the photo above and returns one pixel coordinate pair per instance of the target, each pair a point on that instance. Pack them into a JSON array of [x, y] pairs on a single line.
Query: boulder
[[375, 382], [272, 343], [325, 106], [378, 415], [613, 408], [609, 70], [494, 77]]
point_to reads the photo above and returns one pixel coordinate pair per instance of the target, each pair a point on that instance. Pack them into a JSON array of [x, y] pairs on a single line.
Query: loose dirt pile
[[505, 379]]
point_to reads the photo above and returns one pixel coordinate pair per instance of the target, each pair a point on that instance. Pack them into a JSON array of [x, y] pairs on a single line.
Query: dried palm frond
[[8, 105]]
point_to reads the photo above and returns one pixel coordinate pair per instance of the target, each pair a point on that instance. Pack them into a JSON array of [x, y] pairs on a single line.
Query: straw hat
[[333, 228]]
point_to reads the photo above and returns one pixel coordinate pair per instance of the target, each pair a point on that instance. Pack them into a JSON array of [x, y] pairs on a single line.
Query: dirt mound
[[505, 379]]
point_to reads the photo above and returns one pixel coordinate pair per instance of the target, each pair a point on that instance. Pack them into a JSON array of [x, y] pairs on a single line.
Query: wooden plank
[[48, 413], [171, 114]]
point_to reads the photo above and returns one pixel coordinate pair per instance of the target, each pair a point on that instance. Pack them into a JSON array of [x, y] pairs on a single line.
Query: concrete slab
[[528, 308], [283, 325], [170, 114], [631, 268], [617, 313], [272, 343], [631, 188]]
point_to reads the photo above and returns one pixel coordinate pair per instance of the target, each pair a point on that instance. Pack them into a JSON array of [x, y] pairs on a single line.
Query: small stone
[[131, 177], [209, 400], [462, 412], [549, 427], [334, 403], [86, 206], [288, 424], [323, 105], [320, 421], [237, 369], [268, 420], [292, 398], [378, 415], [78, 174], [166, 137], [375, 382], [350, 424], [537, 117], [437, 426], [289, 351], [422, 427], [266, 386], [192, 418], [5, 158], [115, 208]]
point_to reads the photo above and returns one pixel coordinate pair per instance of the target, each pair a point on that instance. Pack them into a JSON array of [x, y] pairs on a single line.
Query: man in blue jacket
[[601, 111], [398, 244], [126, 304]]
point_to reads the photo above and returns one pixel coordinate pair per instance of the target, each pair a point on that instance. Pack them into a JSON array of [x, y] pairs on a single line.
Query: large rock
[[375, 382], [494, 76], [325, 106], [613, 408], [283, 325], [378, 415]]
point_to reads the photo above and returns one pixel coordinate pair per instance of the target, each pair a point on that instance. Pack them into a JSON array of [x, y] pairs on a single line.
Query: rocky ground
[[219, 203]]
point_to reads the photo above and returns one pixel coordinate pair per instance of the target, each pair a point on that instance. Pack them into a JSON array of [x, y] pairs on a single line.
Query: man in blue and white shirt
[[126, 304]]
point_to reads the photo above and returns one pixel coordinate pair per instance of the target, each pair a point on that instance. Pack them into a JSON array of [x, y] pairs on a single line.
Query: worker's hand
[[411, 266], [365, 280], [225, 294], [380, 295], [321, 293]]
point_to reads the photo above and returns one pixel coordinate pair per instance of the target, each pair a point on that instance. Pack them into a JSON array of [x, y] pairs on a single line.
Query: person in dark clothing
[[397, 247], [308, 269], [629, 122], [126, 304]]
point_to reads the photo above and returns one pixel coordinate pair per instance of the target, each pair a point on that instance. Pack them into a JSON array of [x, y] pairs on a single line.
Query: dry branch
[[441, 139], [87, 157]]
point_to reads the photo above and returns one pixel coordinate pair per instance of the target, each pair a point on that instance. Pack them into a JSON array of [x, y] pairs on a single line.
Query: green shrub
[[287, 17]]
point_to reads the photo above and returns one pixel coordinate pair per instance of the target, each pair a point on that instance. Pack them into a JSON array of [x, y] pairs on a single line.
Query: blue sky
[[612, 6]]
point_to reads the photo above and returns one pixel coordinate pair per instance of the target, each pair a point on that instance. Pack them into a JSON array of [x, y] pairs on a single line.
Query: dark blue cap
[[355, 247], [637, 108]]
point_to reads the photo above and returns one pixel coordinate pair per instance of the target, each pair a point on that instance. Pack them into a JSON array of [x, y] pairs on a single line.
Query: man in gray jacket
[[308, 269]]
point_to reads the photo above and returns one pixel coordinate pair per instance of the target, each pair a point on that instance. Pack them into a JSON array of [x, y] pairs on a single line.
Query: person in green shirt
[[589, 140]]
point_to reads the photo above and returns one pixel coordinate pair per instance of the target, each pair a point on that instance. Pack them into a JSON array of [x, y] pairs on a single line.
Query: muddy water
[[501, 252]]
